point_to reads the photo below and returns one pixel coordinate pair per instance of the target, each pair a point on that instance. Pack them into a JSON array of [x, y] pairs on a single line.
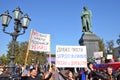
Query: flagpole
[[27, 50]]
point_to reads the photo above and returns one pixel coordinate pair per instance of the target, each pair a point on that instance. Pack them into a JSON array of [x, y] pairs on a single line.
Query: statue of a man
[[86, 20]]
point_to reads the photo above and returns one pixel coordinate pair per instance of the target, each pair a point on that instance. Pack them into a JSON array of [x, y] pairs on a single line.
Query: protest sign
[[39, 41], [71, 56]]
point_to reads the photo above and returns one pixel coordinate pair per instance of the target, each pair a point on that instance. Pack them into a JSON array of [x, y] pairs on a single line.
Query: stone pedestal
[[91, 41]]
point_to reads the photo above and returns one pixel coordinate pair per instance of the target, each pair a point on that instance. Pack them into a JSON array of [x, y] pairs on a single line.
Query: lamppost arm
[[22, 32], [6, 32]]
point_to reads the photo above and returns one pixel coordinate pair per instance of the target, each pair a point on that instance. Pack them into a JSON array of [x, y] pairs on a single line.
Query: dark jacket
[[106, 76], [36, 78]]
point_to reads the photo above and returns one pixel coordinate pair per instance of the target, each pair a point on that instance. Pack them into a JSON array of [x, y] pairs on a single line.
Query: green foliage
[[101, 45], [4, 59], [20, 54], [37, 57]]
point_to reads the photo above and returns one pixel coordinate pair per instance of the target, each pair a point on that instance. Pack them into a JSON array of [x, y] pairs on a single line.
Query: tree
[[101, 45], [118, 41], [16, 50], [110, 46], [20, 54], [4, 59], [102, 48], [38, 57]]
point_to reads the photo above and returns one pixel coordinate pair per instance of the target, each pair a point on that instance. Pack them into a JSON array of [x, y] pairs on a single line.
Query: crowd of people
[[45, 72]]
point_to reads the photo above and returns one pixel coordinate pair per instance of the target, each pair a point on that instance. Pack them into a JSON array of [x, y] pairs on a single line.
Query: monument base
[[91, 41]]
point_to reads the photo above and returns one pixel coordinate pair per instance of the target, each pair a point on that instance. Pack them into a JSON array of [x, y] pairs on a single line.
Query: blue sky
[[61, 19]]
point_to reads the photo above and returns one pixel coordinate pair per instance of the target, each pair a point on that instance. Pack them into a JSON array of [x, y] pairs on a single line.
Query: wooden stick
[[50, 53], [27, 50]]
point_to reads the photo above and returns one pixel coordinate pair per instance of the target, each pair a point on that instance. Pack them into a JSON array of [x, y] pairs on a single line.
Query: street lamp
[[20, 23]]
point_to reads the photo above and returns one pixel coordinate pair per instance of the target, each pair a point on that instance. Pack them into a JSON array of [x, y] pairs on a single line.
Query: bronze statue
[[86, 20]]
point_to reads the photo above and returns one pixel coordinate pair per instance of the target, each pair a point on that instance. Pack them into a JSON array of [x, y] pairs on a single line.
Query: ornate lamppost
[[20, 24]]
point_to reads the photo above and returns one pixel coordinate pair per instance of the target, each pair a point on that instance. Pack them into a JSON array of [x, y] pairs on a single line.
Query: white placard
[[109, 56], [71, 56], [39, 41]]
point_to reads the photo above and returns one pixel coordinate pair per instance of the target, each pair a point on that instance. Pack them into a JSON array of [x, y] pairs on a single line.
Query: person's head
[[90, 65], [85, 69], [70, 75], [33, 72], [109, 70], [53, 66]]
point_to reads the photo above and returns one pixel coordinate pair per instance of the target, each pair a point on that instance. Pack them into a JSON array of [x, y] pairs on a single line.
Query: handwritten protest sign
[[39, 41], [71, 56]]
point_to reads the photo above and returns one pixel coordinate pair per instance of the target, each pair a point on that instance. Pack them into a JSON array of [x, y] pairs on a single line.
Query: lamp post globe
[[17, 14], [6, 18], [25, 21]]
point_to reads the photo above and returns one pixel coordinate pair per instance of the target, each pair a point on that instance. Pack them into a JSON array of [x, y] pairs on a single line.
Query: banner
[[71, 56], [39, 41]]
